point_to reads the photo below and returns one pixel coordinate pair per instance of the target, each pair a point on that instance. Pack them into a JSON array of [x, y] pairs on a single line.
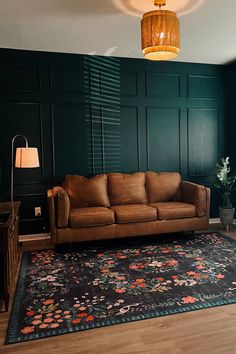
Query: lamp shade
[[27, 157], [160, 35]]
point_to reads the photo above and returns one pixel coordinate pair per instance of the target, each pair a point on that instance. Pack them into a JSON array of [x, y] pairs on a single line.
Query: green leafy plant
[[225, 182]]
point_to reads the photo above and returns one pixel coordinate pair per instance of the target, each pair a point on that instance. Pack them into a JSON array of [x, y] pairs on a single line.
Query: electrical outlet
[[37, 211]]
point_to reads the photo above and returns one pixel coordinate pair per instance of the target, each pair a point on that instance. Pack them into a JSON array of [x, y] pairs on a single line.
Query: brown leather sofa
[[118, 205]]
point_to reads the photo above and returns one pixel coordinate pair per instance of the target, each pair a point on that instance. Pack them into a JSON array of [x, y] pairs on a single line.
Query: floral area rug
[[92, 286]]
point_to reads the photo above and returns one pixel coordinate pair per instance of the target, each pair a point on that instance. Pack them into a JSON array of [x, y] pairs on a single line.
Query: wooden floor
[[208, 331]]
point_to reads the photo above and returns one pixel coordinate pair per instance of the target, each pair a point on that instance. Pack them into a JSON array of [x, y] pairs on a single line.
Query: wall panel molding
[[162, 85], [66, 79], [162, 126], [19, 77], [203, 141], [203, 87], [69, 154], [130, 138], [130, 83]]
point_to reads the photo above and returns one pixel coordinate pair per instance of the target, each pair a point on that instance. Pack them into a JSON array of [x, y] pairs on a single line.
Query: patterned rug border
[[19, 292]]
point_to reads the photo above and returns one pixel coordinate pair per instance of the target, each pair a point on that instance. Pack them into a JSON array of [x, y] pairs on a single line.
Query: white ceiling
[[112, 27]]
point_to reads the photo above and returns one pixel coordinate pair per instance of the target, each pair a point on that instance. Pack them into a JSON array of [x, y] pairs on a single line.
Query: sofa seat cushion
[[125, 188], [174, 210], [134, 213], [92, 216], [163, 186]]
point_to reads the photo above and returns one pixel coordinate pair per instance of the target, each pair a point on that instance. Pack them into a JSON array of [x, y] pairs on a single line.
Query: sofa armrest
[[59, 208], [62, 207], [197, 195], [51, 210]]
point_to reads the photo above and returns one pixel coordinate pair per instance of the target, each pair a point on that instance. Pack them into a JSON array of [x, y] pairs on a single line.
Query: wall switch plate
[[37, 211]]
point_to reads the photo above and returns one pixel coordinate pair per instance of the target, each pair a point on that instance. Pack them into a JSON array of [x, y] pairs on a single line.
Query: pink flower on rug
[[220, 276], [67, 316], [200, 267], [133, 267], [30, 313], [48, 320], [171, 262], [120, 291], [54, 325], [189, 300], [43, 326], [37, 317], [120, 278], [36, 322], [49, 314], [48, 301], [166, 250], [27, 330]]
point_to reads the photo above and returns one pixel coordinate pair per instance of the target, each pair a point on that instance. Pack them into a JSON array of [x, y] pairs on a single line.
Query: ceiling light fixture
[[160, 33]]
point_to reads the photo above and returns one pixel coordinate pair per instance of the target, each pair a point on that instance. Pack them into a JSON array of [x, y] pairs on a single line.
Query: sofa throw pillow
[[85, 192], [163, 186], [127, 188]]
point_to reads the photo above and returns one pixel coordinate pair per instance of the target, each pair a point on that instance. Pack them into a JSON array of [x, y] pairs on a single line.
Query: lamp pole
[[12, 164]]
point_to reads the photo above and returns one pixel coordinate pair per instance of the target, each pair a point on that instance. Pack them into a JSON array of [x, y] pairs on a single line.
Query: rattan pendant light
[[160, 33]]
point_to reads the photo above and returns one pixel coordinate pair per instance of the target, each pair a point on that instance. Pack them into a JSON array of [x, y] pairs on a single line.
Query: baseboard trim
[[214, 221], [217, 221], [34, 237]]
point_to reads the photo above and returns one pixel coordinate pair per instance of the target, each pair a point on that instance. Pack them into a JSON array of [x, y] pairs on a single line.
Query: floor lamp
[[26, 157]]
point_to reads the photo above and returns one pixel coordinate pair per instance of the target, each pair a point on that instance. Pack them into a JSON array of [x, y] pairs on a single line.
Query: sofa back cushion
[[163, 186], [127, 188], [84, 192]]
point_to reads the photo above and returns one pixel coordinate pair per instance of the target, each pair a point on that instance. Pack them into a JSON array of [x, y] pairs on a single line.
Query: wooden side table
[[9, 249]]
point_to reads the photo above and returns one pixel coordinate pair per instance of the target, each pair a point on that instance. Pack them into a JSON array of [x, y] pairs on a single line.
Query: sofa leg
[[192, 233]]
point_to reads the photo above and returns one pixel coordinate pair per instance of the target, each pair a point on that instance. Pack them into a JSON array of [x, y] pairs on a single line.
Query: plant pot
[[227, 215]]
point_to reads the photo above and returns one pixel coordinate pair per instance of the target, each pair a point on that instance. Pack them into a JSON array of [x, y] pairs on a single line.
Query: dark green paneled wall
[[89, 115]]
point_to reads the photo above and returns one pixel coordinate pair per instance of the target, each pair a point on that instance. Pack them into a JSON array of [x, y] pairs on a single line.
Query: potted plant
[[225, 183]]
